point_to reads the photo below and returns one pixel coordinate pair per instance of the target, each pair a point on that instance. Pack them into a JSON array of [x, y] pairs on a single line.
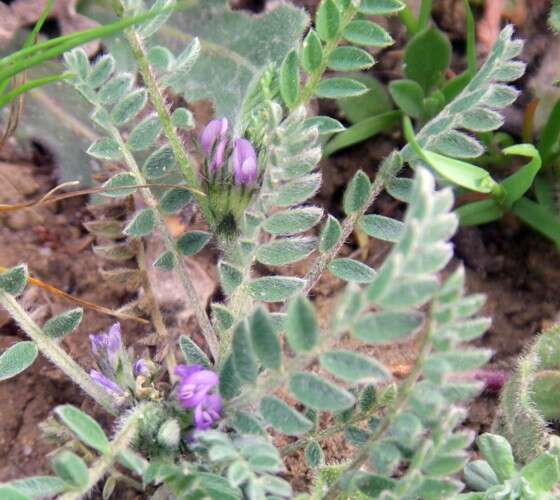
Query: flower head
[[108, 385], [107, 345], [141, 368], [244, 160], [214, 140], [207, 412], [195, 383]]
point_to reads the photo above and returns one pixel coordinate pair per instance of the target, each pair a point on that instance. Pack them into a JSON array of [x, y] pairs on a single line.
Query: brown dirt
[[517, 269]]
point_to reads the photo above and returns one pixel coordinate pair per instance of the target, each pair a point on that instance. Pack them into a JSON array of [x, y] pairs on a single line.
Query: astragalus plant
[[218, 420]]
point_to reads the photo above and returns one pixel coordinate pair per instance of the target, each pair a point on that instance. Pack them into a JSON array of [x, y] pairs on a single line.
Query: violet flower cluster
[[107, 349], [194, 393], [215, 143]]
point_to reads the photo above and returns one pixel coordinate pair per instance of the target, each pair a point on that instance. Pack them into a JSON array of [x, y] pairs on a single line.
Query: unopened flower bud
[[213, 141], [106, 347], [244, 161], [169, 433], [108, 385]]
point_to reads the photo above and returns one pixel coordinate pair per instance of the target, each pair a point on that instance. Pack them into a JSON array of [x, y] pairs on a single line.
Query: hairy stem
[[52, 351], [200, 314], [322, 261], [291, 448], [155, 313], [157, 99], [402, 397], [122, 440]]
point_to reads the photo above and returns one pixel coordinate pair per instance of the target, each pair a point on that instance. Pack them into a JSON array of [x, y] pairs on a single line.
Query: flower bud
[[108, 386], [106, 347], [169, 434], [213, 141], [244, 161]]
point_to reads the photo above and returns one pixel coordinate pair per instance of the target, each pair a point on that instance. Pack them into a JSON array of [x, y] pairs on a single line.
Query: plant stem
[[330, 431], [122, 440], [311, 85], [199, 312], [322, 261], [402, 397], [52, 351], [155, 313], [157, 99]]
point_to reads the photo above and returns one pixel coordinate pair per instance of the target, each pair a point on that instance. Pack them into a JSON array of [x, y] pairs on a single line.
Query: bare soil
[[518, 270]]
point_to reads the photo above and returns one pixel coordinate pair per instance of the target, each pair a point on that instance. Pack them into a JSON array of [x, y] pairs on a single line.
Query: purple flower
[[195, 383], [141, 368], [244, 162], [207, 412], [108, 385], [107, 344], [214, 140], [493, 380]]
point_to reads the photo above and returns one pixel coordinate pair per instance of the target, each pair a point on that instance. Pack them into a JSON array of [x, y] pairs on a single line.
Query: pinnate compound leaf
[[457, 145], [230, 276], [318, 394], [386, 326], [367, 33], [296, 192], [192, 242], [291, 222], [37, 486], [351, 270], [144, 134], [63, 324], [127, 108], [330, 234], [9, 492], [325, 125], [275, 288], [105, 149], [70, 468], [192, 353], [409, 292], [118, 181], [17, 358], [285, 251], [166, 261], [283, 418], [337, 88], [327, 20], [244, 358], [352, 367], [350, 59], [313, 454], [312, 52], [84, 427], [301, 325], [357, 193], [381, 227], [142, 224], [174, 200], [13, 280], [289, 78], [159, 163], [381, 7], [265, 340]]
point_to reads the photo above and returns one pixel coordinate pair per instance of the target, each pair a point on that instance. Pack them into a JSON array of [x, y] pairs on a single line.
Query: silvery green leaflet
[[272, 379]]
